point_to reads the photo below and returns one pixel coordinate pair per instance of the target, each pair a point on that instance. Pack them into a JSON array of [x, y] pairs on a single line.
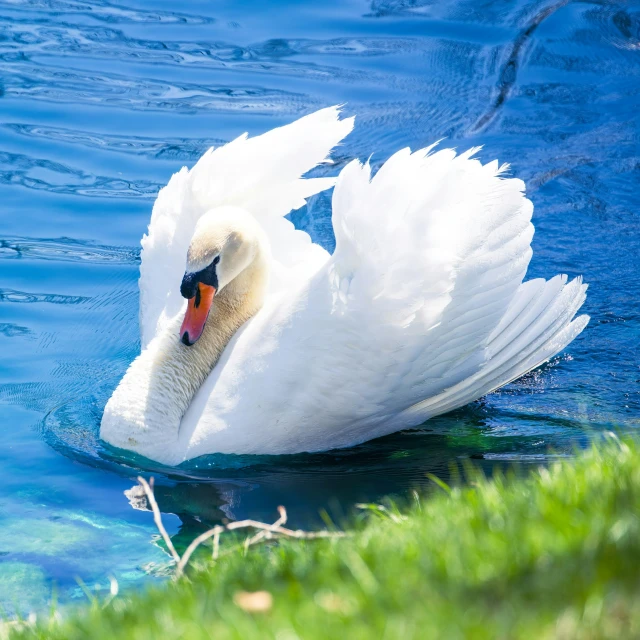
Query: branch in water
[[157, 517], [265, 532]]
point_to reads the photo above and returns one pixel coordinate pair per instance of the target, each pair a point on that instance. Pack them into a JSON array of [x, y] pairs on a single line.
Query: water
[[101, 102]]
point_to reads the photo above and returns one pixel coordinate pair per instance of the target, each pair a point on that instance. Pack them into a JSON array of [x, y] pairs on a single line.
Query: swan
[[254, 340]]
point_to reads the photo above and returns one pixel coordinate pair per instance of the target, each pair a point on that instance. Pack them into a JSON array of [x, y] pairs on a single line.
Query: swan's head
[[225, 242]]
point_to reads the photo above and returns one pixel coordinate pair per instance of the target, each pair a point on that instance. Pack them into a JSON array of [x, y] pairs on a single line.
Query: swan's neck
[[144, 413]]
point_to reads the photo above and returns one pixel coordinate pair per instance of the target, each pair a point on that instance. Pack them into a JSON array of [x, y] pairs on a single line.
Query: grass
[[553, 555]]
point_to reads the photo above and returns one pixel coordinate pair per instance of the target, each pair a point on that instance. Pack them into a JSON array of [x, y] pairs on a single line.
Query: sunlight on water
[[101, 102]]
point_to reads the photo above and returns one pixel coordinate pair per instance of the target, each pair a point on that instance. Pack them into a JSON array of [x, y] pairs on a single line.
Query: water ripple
[[45, 175], [615, 25], [43, 37], [385, 8], [104, 11], [66, 250], [174, 148], [22, 41], [10, 295], [9, 330], [509, 71], [59, 84]]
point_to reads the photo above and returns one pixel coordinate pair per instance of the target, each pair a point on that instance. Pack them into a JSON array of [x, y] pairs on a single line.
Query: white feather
[[421, 308]]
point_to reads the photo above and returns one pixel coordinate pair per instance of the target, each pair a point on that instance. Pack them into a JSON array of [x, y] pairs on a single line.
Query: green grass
[[553, 555]]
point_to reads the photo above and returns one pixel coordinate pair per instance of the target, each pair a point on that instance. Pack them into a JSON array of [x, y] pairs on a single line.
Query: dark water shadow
[[509, 71], [210, 489]]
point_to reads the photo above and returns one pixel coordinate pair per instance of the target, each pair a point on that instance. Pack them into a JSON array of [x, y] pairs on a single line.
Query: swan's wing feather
[[451, 242], [538, 324], [262, 175], [430, 257]]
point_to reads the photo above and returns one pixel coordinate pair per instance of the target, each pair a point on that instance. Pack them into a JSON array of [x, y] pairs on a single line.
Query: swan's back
[[420, 309]]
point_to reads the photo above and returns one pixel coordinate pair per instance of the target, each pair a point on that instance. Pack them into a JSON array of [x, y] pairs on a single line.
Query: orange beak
[[197, 314]]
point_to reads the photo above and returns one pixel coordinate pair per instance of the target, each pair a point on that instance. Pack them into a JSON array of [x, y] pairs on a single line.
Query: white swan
[[420, 309]]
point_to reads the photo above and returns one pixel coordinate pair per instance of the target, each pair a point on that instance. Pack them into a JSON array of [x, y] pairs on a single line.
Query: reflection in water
[[198, 506], [102, 101], [213, 488], [312, 487]]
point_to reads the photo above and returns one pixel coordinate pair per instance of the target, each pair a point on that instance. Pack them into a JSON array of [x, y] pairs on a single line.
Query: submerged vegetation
[[554, 554]]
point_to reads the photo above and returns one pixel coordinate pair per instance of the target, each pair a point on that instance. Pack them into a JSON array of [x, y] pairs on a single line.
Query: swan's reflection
[[198, 505], [312, 487]]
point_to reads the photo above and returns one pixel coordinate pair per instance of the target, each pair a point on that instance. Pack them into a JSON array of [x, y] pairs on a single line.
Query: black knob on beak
[[189, 285]]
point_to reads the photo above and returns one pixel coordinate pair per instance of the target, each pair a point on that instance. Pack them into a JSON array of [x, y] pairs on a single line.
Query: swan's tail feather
[[538, 324]]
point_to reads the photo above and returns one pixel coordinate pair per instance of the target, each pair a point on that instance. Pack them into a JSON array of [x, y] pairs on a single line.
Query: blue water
[[101, 102]]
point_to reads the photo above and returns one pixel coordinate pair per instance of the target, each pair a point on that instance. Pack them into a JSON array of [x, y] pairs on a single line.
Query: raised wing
[[433, 248], [260, 174]]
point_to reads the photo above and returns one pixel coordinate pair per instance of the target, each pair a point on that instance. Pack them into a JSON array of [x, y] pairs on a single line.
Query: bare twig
[[265, 532], [244, 524], [157, 518], [182, 563], [216, 545]]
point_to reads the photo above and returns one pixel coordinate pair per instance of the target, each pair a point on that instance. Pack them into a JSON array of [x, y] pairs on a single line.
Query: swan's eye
[[216, 260]]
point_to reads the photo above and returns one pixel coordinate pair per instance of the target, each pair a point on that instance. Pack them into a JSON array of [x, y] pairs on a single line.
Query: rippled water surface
[[101, 102]]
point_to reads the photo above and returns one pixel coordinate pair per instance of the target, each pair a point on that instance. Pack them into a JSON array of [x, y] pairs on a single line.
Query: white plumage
[[421, 308]]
